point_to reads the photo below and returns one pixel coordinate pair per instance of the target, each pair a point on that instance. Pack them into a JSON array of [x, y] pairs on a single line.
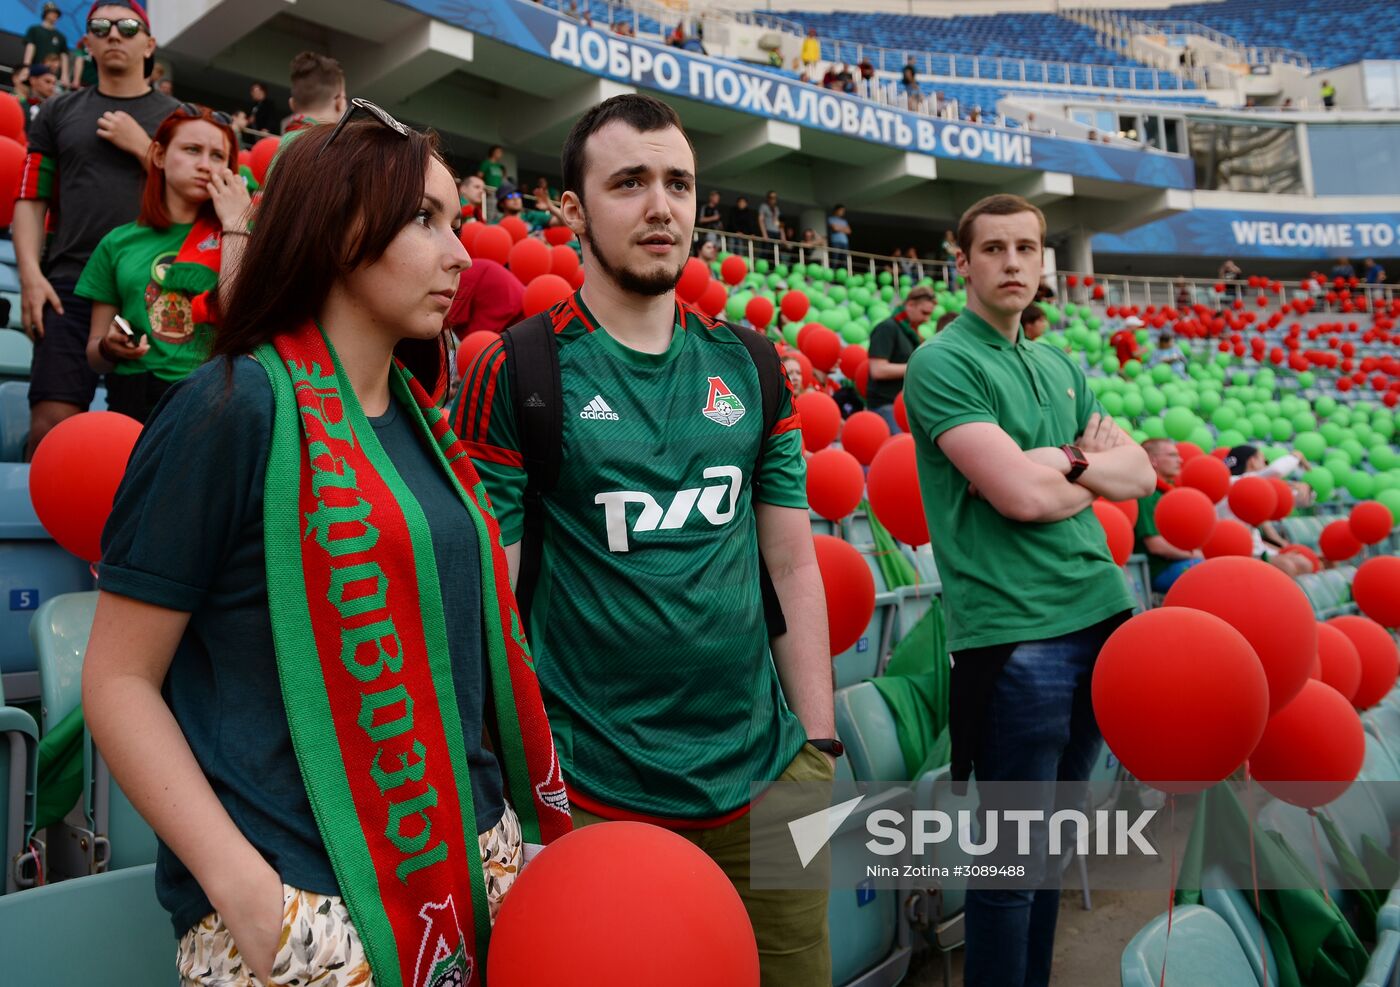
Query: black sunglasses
[[127, 27], [377, 113], [195, 111]]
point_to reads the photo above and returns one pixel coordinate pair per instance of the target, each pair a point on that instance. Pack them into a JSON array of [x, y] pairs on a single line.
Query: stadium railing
[[1122, 28]]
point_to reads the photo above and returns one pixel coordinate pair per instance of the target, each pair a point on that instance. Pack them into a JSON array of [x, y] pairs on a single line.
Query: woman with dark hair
[[160, 273], [297, 513]]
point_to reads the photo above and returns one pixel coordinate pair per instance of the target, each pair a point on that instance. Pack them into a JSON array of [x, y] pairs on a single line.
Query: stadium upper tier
[[1336, 33], [1046, 38]]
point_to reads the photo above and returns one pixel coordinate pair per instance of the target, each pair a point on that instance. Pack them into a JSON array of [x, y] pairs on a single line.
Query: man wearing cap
[[1247, 460], [41, 85], [45, 39], [87, 149], [1124, 341], [509, 202], [892, 342]]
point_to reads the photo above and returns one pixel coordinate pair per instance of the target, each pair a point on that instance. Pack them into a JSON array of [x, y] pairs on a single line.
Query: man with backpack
[[639, 455]]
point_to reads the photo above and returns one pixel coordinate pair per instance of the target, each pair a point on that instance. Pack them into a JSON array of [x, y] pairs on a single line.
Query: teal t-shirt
[[1005, 581], [186, 533], [493, 173], [647, 623], [128, 270]]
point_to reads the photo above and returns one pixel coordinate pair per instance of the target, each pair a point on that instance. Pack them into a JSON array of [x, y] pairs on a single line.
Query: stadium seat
[[14, 420], [104, 831], [866, 726], [1296, 828], [1203, 950], [856, 529], [912, 602], [103, 929], [16, 354], [1381, 971], [1236, 908], [862, 660], [18, 774]]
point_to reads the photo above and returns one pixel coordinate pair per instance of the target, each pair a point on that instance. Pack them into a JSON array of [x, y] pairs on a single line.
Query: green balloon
[[1355, 450], [1304, 421], [1311, 444], [1281, 430], [1306, 379], [790, 332], [1321, 481], [1153, 400], [1209, 402], [1273, 452], [734, 308], [1112, 403], [1391, 499], [885, 278], [1382, 457], [1331, 431], [1325, 405], [1224, 417], [761, 266], [854, 332], [837, 293], [1229, 438], [1154, 428], [1360, 485], [1052, 315], [1110, 366], [1342, 416], [1132, 401], [1179, 423], [1201, 436], [1133, 368], [1162, 373]]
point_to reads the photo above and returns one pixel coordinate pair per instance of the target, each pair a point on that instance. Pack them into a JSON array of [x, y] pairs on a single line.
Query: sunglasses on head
[[196, 112], [375, 112], [127, 27]]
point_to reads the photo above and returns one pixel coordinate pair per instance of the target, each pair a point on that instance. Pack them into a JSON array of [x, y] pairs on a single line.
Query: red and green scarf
[[195, 270], [367, 678]]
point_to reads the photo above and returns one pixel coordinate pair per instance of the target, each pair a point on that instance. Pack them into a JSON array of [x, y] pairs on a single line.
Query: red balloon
[[493, 243], [1128, 507], [1312, 749], [850, 592], [1370, 522], [901, 417], [563, 261], [1116, 529], [703, 937], [1208, 475], [1284, 494], [1339, 661], [852, 357], [1180, 698], [577, 279], [695, 278], [544, 292], [713, 299], [862, 378], [1185, 518], [821, 419], [822, 346], [529, 258], [1188, 451], [516, 227], [759, 311], [558, 235], [1252, 499], [12, 156], [74, 476], [12, 122], [733, 270], [469, 234], [1306, 553], [261, 155], [1379, 660], [863, 435], [1230, 537], [470, 347], [795, 306], [1266, 606], [893, 489], [1376, 589], [835, 483], [1337, 541]]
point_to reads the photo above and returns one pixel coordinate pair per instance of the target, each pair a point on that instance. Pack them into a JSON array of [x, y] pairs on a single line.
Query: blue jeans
[[1038, 727], [1164, 579], [886, 411]]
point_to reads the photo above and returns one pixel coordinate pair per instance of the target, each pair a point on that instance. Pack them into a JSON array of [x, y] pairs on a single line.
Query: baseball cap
[[50, 8], [1133, 322], [1239, 457], [36, 71], [506, 190]]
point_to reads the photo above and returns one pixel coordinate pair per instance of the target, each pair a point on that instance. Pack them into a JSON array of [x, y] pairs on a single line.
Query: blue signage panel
[[1283, 236], [666, 70]]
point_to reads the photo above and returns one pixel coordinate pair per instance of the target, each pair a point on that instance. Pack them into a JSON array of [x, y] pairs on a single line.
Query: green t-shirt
[[647, 621], [1005, 581], [891, 340], [46, 41], [493, 173], [1146, 528], [128, 270]]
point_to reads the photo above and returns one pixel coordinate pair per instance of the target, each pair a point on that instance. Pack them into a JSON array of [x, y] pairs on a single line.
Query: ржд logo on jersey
[[707, 500], [598, 409], [722, 405]]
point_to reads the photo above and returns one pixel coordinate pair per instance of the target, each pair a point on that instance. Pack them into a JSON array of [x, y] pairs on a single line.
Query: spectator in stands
[[1329, 95], [44, 39], [680, 742], [711, 218], [838, 234], [84, 72], [1165, 562], [189, 600], [86, 150], [1248, 460], [770, 219], [811, 50], [623, 27], [40, 86], [471, 193], [510, 202], [1230, 274], [793, 368], [1030, 590], [1343, 269], [489, 299], [744, 220], [814, 245], [262, 115], [708, 251], [867, 77], [1373, 275], [1124, 341], [892, 342], [944, 321], [845, 80], [166, 86], [1183, 293], [161, 273], [974, 115], [1034, 323], [829, 77], [909, 75], [318, 92], [493, 172]]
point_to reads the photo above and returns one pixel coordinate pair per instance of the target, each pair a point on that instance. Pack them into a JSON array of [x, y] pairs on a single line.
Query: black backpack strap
[[770, 383], [532, 359]]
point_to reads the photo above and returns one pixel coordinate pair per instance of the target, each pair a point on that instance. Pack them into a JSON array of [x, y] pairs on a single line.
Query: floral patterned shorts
[[319, 943]]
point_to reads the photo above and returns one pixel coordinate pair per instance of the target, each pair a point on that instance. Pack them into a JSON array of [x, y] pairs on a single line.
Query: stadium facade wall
[[952, 8]]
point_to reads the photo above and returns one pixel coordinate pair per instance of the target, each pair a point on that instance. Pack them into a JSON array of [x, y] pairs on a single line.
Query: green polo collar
[[982, 330]]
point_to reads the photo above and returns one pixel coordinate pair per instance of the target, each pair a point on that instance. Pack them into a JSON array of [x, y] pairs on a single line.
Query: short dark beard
[[649, 286]]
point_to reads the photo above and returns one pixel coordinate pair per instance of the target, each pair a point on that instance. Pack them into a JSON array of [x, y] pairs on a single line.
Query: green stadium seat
[[104, 831], [1203, 950], [18, 773], [1381, 971], [1236, 908], [103, 929]]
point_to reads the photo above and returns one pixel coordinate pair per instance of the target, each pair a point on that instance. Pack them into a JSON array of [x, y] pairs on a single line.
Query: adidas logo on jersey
[[598, 410], [534, 401]]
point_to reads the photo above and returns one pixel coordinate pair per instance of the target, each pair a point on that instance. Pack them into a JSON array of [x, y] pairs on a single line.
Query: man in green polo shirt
[[892, 342], [493, 172], [1011, 451], [1165, 562]]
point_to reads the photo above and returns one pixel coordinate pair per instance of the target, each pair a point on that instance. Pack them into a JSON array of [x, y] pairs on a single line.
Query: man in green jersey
[[892, 342], [492, 171], [647, 620], [1011, 451], [1165, 562]]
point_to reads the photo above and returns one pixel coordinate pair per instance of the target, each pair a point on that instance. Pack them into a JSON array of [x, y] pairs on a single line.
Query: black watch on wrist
[[1078, 462], [829, 746]]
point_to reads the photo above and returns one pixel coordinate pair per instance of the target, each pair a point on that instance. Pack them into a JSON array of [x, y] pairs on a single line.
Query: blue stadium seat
[[18, 775], [862, 660], [16, 354], [1236, 908], [1381, 971], [9, 278], [1203, 950], [103, 929], [14, 420]]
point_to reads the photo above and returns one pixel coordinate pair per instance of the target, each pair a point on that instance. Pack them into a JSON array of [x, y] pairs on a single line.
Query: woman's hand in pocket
[[252, 909]]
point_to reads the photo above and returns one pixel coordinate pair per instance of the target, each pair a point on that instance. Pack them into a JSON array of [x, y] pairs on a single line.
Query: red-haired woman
[[298, 514], [161, 273]]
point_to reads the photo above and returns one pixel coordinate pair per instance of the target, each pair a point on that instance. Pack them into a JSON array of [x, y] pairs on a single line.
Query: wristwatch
[[1077, 462], [829, 746]]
